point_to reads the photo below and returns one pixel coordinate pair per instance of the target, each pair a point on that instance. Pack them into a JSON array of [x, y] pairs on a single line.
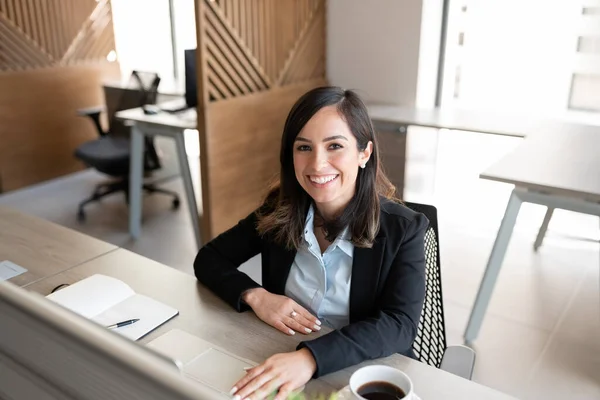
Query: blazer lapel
[[366, 268]]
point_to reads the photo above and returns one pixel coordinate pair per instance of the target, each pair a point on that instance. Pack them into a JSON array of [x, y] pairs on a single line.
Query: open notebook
[[107, 300]]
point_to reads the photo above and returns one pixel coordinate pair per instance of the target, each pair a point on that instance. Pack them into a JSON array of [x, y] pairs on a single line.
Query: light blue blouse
[[321, 282]]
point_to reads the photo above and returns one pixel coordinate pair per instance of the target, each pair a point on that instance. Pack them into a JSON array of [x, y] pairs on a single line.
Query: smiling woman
[[327, 166], [328, 135], [337, 249]]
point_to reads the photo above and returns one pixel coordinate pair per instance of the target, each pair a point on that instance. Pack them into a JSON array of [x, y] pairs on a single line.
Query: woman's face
[[327, 159]]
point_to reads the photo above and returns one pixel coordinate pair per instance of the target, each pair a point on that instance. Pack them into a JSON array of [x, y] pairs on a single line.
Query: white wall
[[373, 46]]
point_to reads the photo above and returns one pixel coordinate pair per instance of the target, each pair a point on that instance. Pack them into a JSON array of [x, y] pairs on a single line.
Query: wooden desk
[[558, 169], [206, 316], [161, 124], [42, 247]]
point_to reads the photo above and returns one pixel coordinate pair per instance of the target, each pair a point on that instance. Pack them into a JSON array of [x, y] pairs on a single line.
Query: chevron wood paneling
[[45, 33], [52, 62], [251, 46]]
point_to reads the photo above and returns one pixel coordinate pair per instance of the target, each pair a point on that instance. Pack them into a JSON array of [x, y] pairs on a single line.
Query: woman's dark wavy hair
[[283, 214]]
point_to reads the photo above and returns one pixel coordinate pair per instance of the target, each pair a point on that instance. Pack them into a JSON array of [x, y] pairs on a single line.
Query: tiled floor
[[541, 336]]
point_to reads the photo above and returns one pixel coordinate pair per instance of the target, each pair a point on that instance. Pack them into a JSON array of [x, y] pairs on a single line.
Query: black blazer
[[386, 294]]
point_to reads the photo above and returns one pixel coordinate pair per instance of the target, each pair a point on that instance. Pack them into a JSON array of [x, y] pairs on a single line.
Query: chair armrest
[[94, 114], [459, 360], [85, 112]]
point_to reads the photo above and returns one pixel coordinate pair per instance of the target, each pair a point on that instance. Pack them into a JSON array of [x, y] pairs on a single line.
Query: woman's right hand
[[281, 312]]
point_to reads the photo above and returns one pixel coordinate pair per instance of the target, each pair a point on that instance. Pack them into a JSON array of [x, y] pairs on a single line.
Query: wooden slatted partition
[[256, 58], [53, 58], [44, 33]]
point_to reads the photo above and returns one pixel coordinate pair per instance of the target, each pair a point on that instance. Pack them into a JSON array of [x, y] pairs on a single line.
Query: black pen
[[124, 323]]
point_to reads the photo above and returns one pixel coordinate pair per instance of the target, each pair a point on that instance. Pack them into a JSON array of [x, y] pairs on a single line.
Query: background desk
[[559, 168], [204, 315], [392, 122], [42, 247], [165, 124], [462, 120]]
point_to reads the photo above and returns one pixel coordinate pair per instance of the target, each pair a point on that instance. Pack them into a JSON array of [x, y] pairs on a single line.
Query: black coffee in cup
[[380, 390]]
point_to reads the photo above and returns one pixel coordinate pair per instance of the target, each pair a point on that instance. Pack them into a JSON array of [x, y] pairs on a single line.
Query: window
[[521, 55], [145, 41]]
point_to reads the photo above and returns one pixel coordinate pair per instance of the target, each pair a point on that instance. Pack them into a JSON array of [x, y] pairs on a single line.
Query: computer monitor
[[191, 95], [48, 352]]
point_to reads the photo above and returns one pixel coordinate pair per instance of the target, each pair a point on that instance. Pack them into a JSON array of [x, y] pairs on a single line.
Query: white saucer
[[346, 394]]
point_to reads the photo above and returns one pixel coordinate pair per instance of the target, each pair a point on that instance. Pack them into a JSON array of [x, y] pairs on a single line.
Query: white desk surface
[[506, 124], [564, 162], [204, 315], [183, 120]]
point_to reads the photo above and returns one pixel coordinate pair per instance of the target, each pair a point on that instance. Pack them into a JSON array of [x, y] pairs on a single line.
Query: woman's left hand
[[286, 371]]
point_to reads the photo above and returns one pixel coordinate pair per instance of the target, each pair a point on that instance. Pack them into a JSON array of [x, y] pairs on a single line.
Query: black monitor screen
[[191, 97]]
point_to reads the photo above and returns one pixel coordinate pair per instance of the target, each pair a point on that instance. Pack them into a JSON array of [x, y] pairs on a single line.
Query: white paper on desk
[[9, 269], [107, 301], [92, 296], [151, 314]]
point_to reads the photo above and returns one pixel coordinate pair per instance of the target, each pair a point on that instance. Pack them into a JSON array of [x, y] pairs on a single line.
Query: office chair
[[430, 343], [110, 153]]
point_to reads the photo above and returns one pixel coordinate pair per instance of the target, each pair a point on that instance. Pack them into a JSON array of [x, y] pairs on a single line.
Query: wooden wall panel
[[256, 58], [52, 62], [39, 127], [46, 33]]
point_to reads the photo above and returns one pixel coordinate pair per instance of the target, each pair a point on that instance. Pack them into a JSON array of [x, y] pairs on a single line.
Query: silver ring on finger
[[293, 314]]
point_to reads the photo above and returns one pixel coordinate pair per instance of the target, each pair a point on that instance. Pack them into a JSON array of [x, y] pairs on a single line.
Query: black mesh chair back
[[148, 82], [430, 343], [118, 99], [141, 89]]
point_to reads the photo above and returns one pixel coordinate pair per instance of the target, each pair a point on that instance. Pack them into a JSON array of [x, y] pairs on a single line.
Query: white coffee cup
[[381, 373]]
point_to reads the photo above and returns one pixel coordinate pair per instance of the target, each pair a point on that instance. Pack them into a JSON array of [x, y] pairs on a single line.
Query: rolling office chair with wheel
[[110, 153]]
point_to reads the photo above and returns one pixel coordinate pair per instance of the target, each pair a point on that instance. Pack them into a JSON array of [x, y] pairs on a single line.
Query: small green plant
[[302, 396]]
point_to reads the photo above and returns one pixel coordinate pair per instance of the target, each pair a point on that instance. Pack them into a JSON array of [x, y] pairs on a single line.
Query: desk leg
[[486, 286], [540, 237], [136, 177], [184, 167]]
